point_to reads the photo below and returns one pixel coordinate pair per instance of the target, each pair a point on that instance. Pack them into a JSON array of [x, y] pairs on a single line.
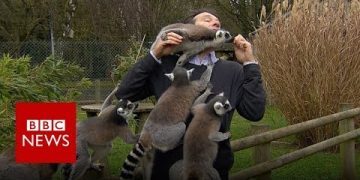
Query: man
[[240, 81]]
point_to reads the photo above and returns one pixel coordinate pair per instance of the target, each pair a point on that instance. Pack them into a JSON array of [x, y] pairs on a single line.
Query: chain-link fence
[[97, 58]]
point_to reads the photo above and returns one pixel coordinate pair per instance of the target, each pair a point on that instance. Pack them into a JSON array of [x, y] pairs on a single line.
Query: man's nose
[[216, 24]]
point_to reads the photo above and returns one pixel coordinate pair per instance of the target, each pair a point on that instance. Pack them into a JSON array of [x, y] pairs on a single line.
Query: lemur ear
[[132, 105], [221, 94], [189, 72], [170, 76], [227, 105]]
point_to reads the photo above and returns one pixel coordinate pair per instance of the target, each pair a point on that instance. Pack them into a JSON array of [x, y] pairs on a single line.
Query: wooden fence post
[[97, 91], [347, 149], [261, 152]]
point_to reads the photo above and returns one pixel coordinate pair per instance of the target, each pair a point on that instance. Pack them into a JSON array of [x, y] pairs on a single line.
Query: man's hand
[[162, 48], [243, 49]]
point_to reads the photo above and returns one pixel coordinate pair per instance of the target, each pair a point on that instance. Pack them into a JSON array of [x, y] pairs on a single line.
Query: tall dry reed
[[311, 62]]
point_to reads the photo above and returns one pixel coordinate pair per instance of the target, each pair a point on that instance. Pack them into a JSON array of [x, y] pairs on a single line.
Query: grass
[[321, 165], [318, 166]]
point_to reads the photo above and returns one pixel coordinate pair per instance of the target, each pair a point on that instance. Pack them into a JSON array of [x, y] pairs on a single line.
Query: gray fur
[[165, 125], [166, 122], [10, 170], [202, 98], [196, 39], [201, 142], [176, 171], [97, 133]]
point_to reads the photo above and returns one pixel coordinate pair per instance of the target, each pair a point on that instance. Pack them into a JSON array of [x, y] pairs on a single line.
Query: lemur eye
[[130, 106], [226, 106], [227, 35]]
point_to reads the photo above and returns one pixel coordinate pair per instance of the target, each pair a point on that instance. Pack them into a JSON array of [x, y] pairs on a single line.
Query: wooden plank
[[347, 149], [261, 152], [293, 156], [247, 142], [95, 108]]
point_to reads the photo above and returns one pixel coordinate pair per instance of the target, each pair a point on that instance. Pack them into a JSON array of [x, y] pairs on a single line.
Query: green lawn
[[318, 166], [321, 165]]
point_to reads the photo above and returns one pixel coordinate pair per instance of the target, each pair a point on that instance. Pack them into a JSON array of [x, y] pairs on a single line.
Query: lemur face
[[224, 36], [125, 108], [221, 105]]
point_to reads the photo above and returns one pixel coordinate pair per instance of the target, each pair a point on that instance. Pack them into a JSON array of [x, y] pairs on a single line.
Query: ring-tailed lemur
[[195, 40], [201, 141], [97, 133], [165, 125]]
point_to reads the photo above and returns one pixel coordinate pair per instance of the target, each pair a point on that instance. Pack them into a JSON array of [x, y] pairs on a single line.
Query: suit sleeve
[[135, 85], [251, 99]]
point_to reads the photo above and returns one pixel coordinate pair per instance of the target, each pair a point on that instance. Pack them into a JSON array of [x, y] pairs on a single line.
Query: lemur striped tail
[[132, 160]]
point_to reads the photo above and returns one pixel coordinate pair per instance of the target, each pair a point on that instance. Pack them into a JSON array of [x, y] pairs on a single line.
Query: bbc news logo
[[45, 132], [40, 140], [45, 125]]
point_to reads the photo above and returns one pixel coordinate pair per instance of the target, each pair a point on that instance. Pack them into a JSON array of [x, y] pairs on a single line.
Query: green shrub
[[44, 82], [135, 52], [123, 62]]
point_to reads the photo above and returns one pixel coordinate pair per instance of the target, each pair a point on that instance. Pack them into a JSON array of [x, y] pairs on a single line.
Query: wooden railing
[[262, 143]]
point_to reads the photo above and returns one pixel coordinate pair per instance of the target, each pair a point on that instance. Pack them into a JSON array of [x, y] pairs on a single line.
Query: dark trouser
[[163, 162]]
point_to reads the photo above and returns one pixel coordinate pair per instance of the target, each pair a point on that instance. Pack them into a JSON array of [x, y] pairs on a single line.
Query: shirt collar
[[205, 61]]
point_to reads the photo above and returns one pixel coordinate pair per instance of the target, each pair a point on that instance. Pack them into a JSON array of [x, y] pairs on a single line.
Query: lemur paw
[[227, 134], [97, 166], [163, 36], [135, 139], [180, 32]]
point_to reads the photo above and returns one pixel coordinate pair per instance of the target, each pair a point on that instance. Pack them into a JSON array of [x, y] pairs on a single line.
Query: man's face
[[207, 20]]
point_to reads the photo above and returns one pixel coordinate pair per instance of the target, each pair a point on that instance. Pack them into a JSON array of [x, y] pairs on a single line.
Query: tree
[[23, 20], [249, 15]]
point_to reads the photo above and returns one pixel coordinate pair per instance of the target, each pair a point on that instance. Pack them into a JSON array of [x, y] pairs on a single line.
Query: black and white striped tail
[[132, 160]]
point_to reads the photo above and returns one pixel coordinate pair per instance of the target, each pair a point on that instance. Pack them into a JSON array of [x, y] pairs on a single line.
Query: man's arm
[[252, 98], [251, 94], [136, 85]]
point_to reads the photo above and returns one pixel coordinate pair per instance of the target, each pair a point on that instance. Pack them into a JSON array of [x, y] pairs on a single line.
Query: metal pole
[[51, 29]]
